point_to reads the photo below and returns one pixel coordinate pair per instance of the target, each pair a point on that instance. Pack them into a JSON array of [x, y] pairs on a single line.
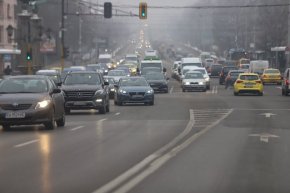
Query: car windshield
[[116, 73], [193, 76], [154, 76], [249, 77], [133, 82], [201, 71], [235, 74], [82, 78], [25, 85], [272, 71]]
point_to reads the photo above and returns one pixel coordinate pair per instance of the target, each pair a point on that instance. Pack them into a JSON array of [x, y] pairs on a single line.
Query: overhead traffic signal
[[29, 55], [143, 10], [107, 10]]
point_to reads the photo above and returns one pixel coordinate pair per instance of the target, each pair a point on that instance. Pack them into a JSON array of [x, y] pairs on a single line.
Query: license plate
[[137, 96], [79, 103], [15, 115], [248, 86]]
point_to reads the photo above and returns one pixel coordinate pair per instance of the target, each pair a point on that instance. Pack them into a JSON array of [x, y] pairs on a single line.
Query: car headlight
[[106, 70], [201, 83], [112, 90], [122, 91], [149, 91], [186, 83], [99, 92], [207, 79], [43, 104]]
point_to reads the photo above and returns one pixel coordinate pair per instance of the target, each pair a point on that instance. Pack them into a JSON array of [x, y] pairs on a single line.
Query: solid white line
[[165, 158], [132, 171], [171, 90], [77, 128], [117, 113], [279, 87], [26, 143], [101, 120]]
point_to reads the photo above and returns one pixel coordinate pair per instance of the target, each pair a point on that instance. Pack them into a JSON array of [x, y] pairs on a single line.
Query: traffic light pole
[[62, 35]]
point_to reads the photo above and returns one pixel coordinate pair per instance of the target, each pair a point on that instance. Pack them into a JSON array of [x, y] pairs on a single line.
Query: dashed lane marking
[[76, 128], [26, 143]]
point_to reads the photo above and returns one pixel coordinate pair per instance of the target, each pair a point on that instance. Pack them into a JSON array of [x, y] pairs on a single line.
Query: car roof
[[194, 72], [249, 74], [83, 72]]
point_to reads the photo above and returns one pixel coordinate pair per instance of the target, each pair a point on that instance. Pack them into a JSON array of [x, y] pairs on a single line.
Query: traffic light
[[107, 9], [65, 52], [29, 55], [143, 10]]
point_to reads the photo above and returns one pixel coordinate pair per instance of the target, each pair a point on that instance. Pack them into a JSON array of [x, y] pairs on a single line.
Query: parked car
[[192, 81], [271, 75], [53, 74], [134, 90], [157, 81], [31, 99], [248, 83], [86, 90], [224, 72], [232, 77], [285, 82]]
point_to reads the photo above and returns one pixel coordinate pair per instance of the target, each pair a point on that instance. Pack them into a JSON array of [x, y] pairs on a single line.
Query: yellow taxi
[[248, 83], [271, 75]]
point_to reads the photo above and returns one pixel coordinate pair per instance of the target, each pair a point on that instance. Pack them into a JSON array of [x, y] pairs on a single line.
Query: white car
[[205, 75], [116, 75], [193, 80]]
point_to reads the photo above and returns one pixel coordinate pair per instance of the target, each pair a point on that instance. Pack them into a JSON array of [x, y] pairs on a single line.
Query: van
[[285, 82], [258, 66], [196, 62]]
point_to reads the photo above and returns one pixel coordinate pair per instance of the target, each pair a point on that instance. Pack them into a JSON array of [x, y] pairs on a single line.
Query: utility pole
[[62, 35]]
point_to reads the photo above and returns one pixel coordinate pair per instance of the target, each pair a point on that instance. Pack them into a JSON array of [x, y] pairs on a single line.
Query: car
[[215, 70], [271, 75], [111, 86], [126, 69], [95, 67], [192, 81], [232, 77], [248, 83], [157, 81], [104, 68], [174, 69], [285, 82], [147, 70], [116, 74], [205, 75], [86, 90], [53, 74], [131, 66], [29, 100], [224, 72], [134, 90], [245, 67], [71, 69]]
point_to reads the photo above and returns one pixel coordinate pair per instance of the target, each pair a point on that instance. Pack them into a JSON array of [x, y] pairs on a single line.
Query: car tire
[[6, 127], [236, 93], [50, 125], [151, 103], [260, 93], [67, 111], [102, 110], [61, 122]]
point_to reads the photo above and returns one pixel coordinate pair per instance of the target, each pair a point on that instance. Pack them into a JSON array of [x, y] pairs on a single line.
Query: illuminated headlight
[[43, 104], [99, 100], [186, 83], [112, 89], [149, 91], [106, 70], [201, 83], [123, 91], [207, 79]]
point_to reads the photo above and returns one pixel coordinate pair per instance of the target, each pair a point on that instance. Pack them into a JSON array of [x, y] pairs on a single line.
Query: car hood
[[116, 78], [23, 98], [135, 88], [80, 87], [156, 81], [193, 80]]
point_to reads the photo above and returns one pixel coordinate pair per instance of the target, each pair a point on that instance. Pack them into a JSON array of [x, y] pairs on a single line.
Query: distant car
[[95, 67], [111, 87], [232, 77], [86, 90], [224, 72], [285, 82], [192, 81], [205, 75], [215, 69], [31, 99], [248, 83], [104, 68], [174, 70], [134, 90], [126, 69], [271, 75], [116, 74], [53, 74], [157, 81]]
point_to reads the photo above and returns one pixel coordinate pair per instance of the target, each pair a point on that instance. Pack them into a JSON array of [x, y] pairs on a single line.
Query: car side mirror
[[56, 90], [59, 84], [106, 83]]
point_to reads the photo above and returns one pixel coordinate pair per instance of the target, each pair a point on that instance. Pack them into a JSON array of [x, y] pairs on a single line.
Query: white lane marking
[[77, 128], [171, 90], [26, 143], [132, 171], [154, 166], [279, 87], [117, 113], [101, 120]]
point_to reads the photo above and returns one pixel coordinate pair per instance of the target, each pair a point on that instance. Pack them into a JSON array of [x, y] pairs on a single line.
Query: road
[[187, 142]]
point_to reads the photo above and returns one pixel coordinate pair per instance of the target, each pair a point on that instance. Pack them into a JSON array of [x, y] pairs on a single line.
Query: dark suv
[[86, 90], [224, 72]]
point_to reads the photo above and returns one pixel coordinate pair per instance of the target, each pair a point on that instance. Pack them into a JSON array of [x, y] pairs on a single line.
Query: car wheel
[[108, 107], [67, 111], [236, 93], [102, 110], [260, 93], [151, 103], [6, 127], [183, 90], [50, 125], [61, 122]]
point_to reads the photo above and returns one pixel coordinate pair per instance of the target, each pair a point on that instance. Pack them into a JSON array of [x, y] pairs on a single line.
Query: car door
[[58, 99]]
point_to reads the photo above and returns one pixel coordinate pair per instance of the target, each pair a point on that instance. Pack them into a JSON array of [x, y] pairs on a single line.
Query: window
[[1, 34], [1, 10], [8, 11]]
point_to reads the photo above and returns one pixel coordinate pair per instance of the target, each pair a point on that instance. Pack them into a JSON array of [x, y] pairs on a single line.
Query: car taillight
[[287, 82], [258, 81], [239, 81]]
